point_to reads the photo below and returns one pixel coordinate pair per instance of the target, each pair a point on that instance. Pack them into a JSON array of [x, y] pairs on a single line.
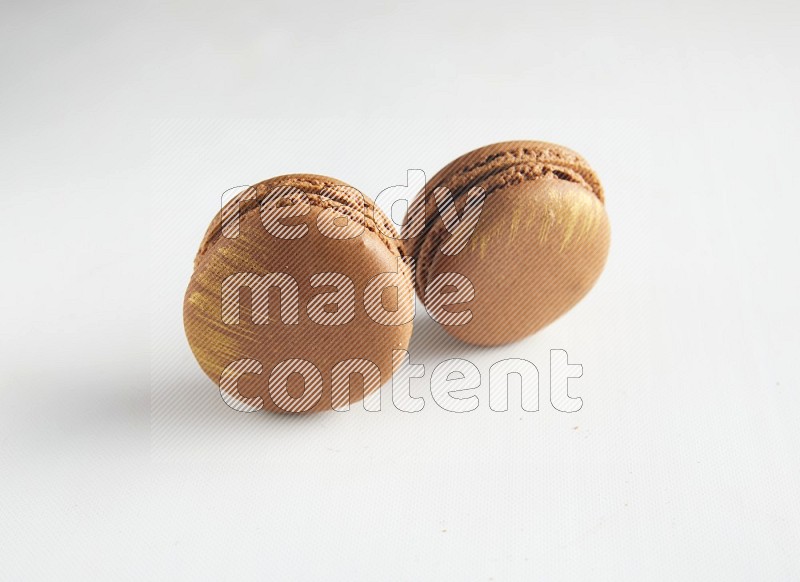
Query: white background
[[121, 126]]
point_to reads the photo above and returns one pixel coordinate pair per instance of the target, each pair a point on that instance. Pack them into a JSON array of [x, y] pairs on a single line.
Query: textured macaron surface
[[539, 245], [494, 168], [321, 192], [299, 299]]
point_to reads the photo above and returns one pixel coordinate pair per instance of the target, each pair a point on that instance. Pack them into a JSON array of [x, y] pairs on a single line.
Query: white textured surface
[[681, 464]]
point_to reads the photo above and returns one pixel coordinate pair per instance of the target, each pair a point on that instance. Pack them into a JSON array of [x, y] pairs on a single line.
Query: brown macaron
[[299, 296], [532, 240]]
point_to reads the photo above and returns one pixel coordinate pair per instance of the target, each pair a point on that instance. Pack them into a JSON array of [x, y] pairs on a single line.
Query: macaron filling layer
[[320, 192]]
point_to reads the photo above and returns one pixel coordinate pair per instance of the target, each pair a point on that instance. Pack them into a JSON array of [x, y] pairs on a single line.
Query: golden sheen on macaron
[[299, 296], [515, 232]]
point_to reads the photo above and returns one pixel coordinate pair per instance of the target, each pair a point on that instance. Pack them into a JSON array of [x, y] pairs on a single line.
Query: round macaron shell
[[540, 243], [216, 344], [537, 250]]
